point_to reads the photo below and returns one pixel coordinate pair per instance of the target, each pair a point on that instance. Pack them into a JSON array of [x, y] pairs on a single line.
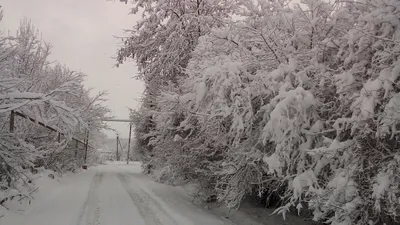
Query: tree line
[[45, 113], [278, 99]]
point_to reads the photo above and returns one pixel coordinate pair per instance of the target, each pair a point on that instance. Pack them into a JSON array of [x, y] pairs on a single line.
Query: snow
[[178, 138], [317, 127], [55, 203], [344, 188], [117, 194], [386, 77], [306, 179], [344, 81], [381, 185], [391, 115], [274, 164], [117, 204], [165, 96], [396, 71], [291, 111], [330, 151], [201, 90], [367, 107]]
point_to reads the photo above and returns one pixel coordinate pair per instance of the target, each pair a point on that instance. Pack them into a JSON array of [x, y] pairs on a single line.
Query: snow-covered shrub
[[334, 171], [17, 159], [296, 99]]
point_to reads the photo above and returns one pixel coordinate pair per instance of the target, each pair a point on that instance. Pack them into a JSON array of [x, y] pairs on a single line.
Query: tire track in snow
[[171, 200], [151, 211], [90, 212]]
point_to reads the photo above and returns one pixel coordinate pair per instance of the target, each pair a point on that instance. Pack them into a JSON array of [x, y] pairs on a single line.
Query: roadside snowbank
[[44, 185], [248, 213]]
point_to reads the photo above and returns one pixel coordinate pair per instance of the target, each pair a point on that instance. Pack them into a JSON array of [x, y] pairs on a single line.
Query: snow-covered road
[[113, 195]]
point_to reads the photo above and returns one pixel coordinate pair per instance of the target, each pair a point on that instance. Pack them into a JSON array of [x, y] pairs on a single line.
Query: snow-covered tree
[[161, 44], [291, 100], [42, 106], [170, 28]]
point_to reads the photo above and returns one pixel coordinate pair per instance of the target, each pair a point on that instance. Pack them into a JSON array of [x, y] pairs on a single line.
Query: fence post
[[117, 148], [129, 143], [76, 149], [12, 120]]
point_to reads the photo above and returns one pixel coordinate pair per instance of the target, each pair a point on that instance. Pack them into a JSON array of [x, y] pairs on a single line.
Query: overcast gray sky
[[81, 32]]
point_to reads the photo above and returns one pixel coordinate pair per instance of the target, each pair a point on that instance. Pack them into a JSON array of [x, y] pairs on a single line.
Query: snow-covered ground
[[118, 194]]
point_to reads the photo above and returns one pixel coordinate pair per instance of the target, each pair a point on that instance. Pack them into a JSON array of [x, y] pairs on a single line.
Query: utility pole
[[122, 148], [129, 143], [117, 148]]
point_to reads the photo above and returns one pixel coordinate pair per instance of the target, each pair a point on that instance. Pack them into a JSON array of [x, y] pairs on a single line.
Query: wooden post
[[117, 148], [86, 144], [12, 120], [129, 143], [76, 149]]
